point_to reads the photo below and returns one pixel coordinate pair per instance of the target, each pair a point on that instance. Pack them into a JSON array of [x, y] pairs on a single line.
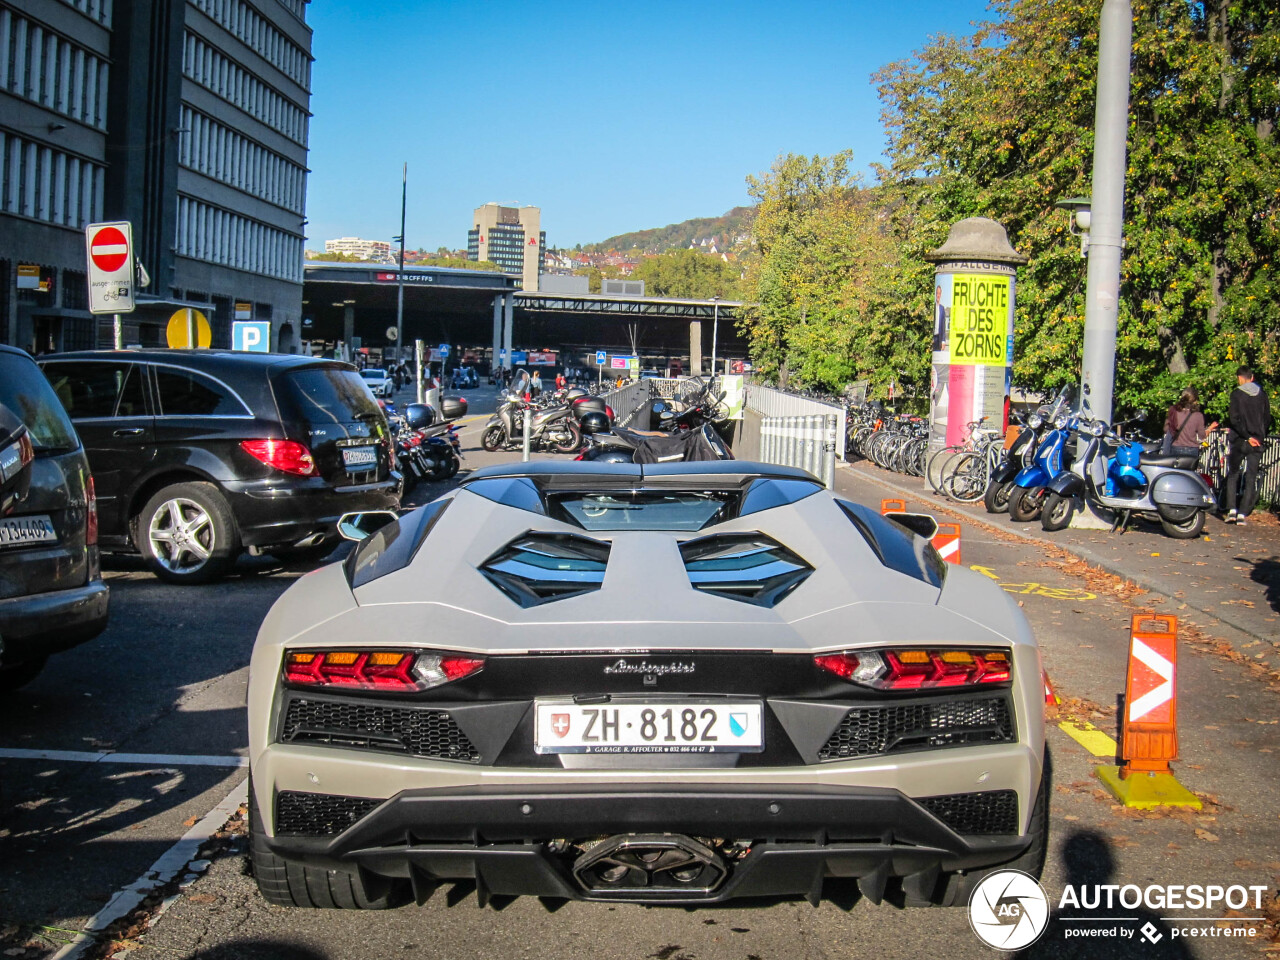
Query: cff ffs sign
[[979, 320]]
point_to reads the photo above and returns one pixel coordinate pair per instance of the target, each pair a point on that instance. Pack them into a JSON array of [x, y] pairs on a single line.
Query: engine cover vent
[[750, 567], [541, 567]]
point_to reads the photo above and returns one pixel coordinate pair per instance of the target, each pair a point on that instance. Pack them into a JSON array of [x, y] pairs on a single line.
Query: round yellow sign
[[187, 325]]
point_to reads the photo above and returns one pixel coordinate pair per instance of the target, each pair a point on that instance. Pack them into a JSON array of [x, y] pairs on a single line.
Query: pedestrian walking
[[535, 385], [1248, 418], [1184, 428]]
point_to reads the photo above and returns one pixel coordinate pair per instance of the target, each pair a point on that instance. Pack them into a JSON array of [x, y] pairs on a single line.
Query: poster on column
[[980, 327], [938, 380]]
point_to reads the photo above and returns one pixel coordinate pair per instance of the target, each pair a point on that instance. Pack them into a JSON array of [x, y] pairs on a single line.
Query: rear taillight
[[91, 514], [26, 450], [608, 411], [287, 456], [918, 669], [403, 670]]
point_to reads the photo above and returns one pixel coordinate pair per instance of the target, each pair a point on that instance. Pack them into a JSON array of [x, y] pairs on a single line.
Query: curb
[[1083, 553]]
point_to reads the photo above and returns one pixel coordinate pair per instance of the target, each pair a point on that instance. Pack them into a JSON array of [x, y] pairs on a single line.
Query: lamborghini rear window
[[643, 510]]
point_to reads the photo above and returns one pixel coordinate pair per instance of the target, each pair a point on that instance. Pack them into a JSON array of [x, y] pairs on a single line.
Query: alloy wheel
[[182, 536]]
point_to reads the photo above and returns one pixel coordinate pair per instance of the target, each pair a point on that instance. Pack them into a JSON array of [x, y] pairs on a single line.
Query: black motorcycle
[[688, 434]]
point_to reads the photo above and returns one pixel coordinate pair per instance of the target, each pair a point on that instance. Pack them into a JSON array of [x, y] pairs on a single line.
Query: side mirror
[[361, 526], [921, 524]]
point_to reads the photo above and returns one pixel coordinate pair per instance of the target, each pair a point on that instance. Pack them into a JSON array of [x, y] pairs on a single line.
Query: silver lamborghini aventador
[[662, 684]]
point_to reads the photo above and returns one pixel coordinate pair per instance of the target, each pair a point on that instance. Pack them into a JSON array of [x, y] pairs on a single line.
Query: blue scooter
[[1052, 457]]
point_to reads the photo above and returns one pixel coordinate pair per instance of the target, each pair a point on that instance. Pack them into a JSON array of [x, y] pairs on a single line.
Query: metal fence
[[807, 442], [630, 401], [1214, 461], [770, 402]]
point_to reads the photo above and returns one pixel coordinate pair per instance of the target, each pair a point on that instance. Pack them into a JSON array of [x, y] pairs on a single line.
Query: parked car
[[201, 455], [380, 382], [51, 592], [464, 378], [674, 683]]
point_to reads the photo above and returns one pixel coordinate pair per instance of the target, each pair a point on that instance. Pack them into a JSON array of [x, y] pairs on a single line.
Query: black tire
[[1186, 530], [218, 537], [494, 438], [13, 676], [574, 442], [454, 464], [289, 884], [1024, 503], [1057, 511], [955, 889], [996, 498]]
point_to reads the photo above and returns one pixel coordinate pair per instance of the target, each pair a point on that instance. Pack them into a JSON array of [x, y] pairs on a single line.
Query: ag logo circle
[[1009, 910]]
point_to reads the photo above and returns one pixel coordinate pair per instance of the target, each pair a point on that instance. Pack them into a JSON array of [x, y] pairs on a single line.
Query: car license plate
[[16, 531], [682, 726], [359, 458]]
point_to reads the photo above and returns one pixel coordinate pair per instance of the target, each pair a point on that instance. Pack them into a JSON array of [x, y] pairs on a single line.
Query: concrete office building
[[356, 247], [511, 237], [186, 117]]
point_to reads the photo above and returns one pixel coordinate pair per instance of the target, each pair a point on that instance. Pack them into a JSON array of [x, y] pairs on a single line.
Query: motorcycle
[[1000, 484], [1052, 456], [425, 449], [1131, 478], [551, 428], [686, 435]]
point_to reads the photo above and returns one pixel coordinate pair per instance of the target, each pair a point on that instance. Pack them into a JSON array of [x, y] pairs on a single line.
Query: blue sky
[[610, 118]]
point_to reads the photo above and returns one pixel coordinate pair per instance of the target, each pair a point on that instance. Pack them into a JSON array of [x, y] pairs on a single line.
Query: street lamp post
[[404, 194], [715, 331]]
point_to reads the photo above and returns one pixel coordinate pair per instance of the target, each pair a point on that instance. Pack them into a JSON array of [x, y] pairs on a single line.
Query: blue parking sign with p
[[251, 335]]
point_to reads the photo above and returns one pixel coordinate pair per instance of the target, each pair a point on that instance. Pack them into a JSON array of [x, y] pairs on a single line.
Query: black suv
[[200, 454], [51, 592]]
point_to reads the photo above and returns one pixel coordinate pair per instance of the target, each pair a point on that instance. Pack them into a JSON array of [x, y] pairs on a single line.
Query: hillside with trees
[[728, 232]]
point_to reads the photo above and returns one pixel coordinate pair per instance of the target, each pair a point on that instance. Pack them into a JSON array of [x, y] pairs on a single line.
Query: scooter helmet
[[595, 422], [419, 415]]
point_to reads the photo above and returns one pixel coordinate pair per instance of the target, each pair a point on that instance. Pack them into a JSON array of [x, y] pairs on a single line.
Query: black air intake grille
[[420, 732], [871, 731], [318, 814], [995, 811], [749, 567], [539, 568]]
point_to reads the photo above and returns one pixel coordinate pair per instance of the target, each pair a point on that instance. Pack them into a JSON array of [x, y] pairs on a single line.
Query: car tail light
[[287, 456], [404, 670], [91, 514], [918, 669], [608, 411], [26, 449]]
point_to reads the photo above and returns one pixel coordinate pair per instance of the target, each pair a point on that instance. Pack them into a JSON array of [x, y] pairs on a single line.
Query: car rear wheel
[[13, 676], [288, 884], [187, 534]]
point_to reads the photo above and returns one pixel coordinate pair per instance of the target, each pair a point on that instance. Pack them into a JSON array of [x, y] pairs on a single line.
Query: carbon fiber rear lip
[[497, 835]]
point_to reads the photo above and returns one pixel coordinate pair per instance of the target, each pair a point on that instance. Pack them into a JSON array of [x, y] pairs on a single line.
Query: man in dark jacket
[[1249, 418]]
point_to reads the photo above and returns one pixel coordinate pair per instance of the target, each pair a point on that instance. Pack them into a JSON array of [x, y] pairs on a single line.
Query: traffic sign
[[109, 252], [253, 336], [444, 350], [188, 328], [601, 356]]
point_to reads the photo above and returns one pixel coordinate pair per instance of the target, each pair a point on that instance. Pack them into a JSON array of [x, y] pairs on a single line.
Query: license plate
[[15, 531], [648, 727], [358, 458]]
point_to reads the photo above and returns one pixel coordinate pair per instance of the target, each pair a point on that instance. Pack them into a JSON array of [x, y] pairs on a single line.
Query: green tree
[[688, 273]]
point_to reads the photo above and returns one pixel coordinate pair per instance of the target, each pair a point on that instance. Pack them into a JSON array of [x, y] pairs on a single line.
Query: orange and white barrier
[[1149, 739], [947, 542], [893, 506]]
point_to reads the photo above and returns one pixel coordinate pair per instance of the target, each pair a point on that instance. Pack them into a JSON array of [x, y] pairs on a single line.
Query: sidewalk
[[1231, 574]]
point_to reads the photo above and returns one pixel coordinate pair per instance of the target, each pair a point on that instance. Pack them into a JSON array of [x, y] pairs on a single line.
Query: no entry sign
[[109, 249]]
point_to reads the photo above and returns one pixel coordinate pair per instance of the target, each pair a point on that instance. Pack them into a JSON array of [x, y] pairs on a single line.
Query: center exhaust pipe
[[664, 866]]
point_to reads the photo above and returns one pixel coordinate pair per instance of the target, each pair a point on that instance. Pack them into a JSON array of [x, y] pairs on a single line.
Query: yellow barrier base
[[1144, 791]]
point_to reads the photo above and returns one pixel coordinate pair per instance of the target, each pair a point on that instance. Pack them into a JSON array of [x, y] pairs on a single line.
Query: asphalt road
[[167, 682]]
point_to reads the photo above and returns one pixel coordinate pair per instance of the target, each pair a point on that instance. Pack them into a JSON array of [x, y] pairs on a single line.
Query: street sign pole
[[404, 195], [417, 359], [117, 328]]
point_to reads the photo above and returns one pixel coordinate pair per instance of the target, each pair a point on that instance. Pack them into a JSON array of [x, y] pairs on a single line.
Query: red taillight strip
[[918, 668], [404, 670]]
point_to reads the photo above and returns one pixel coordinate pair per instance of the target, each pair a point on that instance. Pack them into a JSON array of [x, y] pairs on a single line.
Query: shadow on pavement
[[1266, 571], [1089, 863], [256, 950]]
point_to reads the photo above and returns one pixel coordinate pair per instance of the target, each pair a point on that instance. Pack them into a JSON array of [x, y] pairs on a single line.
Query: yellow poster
[[979, 319]]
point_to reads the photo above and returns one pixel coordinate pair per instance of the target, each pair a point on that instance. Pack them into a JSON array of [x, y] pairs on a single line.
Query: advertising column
[[973, 310]]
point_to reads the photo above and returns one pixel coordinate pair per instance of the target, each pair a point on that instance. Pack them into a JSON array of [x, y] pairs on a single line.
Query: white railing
[[770, 402]]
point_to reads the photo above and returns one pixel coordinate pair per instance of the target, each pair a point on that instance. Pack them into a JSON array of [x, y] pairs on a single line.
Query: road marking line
[[171, 863], [1090, 737], [133, 759]]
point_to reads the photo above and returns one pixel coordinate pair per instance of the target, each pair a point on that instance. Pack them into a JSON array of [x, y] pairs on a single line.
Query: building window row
[[261, 35], [219, 236], [218, 152], [43, 67], [96, 10], [208, 67], [40, 182]]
